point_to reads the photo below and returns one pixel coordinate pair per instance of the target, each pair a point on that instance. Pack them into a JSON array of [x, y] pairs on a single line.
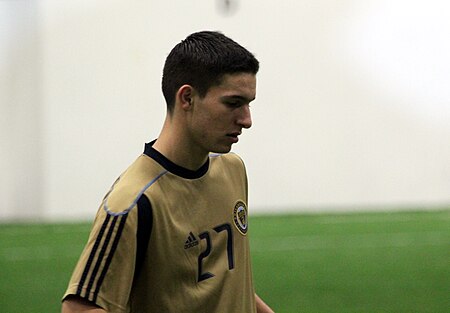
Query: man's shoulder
[[228, 159], [229, 162], [131, 185]]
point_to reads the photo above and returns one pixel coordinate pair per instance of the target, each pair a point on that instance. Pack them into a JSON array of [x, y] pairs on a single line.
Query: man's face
[[219, 117]]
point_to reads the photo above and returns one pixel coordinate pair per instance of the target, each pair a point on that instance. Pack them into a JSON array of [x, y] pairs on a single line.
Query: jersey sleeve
[[106, 268]]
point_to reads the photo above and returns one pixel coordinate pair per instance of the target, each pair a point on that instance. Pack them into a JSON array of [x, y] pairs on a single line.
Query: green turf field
[[371, 262]]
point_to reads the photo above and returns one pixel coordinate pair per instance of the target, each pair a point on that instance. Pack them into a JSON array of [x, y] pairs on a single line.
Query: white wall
[[352, 111], [21, 110]]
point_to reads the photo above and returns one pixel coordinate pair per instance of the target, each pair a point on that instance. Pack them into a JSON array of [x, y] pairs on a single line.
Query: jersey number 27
[[206, 236]]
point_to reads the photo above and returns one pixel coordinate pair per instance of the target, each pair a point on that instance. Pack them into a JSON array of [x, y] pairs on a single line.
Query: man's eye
[[233, 103]]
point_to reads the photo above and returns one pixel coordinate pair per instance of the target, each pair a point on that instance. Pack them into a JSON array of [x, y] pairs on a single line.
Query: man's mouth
[[235, 134]]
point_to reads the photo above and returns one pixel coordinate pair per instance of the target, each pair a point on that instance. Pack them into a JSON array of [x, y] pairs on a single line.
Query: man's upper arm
[[75, 304], [112, 258]]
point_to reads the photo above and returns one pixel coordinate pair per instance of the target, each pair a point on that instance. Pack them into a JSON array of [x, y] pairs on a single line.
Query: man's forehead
[[238, 77], [242, 82]]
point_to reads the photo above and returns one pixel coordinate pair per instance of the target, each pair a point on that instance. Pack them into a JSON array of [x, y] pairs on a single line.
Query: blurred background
[[352, 112]]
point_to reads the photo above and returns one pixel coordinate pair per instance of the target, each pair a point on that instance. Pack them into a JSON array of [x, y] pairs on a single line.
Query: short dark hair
[[201, 60]]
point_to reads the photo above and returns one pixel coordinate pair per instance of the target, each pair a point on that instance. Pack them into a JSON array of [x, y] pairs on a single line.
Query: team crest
[[240, 217]]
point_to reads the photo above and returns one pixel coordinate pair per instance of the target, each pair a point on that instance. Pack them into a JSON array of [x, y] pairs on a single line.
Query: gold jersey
[[167, 239]]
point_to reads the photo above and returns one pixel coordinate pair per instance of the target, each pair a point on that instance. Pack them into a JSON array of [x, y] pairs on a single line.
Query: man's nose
[[245, 117]]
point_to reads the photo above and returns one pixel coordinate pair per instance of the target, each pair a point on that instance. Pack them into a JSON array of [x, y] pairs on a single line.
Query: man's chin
[[222, 149]]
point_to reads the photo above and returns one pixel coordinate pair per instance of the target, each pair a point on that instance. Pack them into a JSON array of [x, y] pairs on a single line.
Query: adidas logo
[[191, 241]]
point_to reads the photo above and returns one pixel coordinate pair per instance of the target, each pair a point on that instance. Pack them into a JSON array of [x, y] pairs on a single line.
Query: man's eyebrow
[[238, 97]]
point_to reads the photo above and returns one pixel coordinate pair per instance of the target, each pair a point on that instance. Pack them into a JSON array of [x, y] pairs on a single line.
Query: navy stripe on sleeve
[[145, 225]]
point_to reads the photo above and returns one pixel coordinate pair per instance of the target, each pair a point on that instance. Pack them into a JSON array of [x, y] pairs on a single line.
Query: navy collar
[[172, 167]]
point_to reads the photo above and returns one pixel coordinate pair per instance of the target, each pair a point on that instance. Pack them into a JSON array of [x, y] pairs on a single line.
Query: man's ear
[[185, 96]]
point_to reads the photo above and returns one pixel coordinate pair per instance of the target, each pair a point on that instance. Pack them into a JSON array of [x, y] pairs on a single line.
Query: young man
[[171, 234]]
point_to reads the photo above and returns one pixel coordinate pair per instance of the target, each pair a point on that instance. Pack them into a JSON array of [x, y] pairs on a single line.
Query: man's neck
[[180, 155], [177, 149]]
